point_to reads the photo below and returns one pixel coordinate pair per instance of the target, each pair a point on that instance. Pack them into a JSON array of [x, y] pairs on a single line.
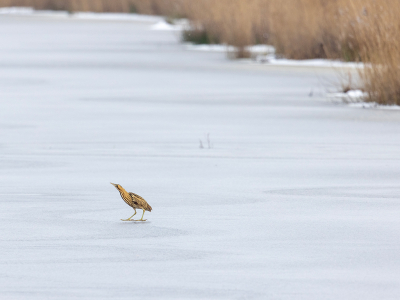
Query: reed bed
[[350, 30]]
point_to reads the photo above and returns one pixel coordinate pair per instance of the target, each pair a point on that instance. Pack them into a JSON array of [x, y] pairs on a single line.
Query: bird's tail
[[148, 208]]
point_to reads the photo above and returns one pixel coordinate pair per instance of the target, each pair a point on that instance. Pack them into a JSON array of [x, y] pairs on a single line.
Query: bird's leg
[[142, 217], [129, 219]]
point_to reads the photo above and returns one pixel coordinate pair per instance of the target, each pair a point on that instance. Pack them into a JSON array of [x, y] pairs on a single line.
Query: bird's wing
[[138, 199]]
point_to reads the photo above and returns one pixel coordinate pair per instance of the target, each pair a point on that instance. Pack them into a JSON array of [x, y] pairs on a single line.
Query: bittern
[[133, 200]]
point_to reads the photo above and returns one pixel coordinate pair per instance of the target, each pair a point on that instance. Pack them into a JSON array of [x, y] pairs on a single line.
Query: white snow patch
[[255, 49], [16, 10], [273, 60], [116, 17], [354, 98], [356, 94], [374, 105], [350, 96], [210, 48], [363, 104], [162, 25]]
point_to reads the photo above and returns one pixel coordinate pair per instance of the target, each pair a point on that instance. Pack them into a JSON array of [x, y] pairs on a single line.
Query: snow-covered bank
[[265, 54], [116, 17], [325, 63], [156, 22], [256, 49], [355, 98], [374, 105], [29, 11]]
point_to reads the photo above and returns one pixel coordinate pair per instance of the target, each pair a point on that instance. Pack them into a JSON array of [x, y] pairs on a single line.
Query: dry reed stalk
[[376, 27]]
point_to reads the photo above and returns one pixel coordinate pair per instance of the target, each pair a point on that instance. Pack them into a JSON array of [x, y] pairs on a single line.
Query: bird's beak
[[113, 184]]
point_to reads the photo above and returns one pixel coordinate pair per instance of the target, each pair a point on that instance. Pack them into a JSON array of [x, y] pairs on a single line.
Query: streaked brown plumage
[[133, 200]]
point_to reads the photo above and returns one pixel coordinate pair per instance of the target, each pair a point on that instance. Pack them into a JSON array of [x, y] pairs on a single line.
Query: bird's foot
[[141, 220], [127, 220]]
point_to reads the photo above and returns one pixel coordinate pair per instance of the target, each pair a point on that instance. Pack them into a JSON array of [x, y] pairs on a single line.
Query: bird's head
[[117, 186]]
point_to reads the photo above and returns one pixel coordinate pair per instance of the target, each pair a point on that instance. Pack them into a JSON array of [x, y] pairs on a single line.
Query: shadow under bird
[[133, 200]]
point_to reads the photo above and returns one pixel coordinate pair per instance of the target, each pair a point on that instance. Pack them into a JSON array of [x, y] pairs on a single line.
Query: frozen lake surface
[[297, 197]]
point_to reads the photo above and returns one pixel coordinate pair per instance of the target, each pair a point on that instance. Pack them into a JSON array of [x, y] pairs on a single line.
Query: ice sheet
[[296, 198]]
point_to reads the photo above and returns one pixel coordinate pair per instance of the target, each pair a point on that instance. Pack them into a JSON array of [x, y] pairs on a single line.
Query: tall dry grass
[[378, 33], [356, 30], [298, 29]]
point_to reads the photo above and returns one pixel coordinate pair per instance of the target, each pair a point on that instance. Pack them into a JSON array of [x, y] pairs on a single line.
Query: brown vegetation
[[351, 30]]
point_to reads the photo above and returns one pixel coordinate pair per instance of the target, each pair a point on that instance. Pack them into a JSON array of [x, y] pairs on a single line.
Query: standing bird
[[133, 200]]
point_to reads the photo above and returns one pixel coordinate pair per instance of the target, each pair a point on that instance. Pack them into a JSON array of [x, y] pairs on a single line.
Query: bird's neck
[[122, 191]]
